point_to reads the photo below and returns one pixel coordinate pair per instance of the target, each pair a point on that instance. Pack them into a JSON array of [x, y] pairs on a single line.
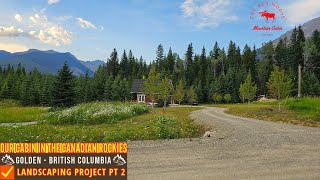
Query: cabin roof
[[136, 86]]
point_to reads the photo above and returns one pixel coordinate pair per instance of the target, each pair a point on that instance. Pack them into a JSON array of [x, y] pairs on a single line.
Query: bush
[[97, 113], [227, 98], [167, 128]]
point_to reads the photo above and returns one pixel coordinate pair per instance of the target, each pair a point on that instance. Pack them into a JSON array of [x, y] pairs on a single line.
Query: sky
[[90, 29]]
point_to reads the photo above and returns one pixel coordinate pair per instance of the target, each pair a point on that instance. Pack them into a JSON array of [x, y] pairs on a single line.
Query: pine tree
[[315, 59], [310, 84], [199, 92], [63, 92], [171, 62], [113, 64], [216, 50], [124, 65], [264, 69], [247, 58], [116, 89], [280, 57], [190, 74], [108, 89], [45, 95], [160, 59]]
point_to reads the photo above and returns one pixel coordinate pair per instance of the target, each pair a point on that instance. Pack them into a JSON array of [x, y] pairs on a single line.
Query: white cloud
[[85, 24], [208, 13], [39, 20], [18, 17], [49, 32], [13, 47], [10, 31], [53, 35], [53, 1], [300, 11], [101, 28]]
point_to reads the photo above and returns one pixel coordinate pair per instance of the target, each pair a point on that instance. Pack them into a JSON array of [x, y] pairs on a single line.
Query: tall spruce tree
[[190, 74], [63, 92]]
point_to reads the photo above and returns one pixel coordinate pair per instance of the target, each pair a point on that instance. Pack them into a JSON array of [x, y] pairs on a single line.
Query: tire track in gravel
[[241, 148]]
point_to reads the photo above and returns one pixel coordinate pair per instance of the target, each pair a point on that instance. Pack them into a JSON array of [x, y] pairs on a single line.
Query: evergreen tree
[[116, 89], [108, 89], [280, 58], [170, 62], [190, 74], [124, 65], [160, 59], [63, 92], [113, 63]]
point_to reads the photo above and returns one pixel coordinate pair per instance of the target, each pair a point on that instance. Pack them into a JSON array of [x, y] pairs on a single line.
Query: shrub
[[97, 113], [227, 98], [167, 128]]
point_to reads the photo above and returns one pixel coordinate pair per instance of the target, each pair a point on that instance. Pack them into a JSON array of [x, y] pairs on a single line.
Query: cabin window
[[141, 98]]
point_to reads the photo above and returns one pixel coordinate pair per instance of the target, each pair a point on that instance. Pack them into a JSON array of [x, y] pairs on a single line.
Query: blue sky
[[90, 29]]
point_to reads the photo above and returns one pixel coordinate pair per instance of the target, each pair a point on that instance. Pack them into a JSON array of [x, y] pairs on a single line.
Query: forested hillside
[[215, 71]]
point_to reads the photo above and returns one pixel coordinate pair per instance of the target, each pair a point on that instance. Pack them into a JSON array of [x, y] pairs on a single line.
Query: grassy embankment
[[302, 111], [11, 112], [103, 122]]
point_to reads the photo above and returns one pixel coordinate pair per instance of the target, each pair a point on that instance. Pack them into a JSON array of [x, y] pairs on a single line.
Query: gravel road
[[240, 148]]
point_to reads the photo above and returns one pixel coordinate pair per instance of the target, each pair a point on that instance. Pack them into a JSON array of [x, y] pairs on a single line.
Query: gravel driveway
[[240, 148]]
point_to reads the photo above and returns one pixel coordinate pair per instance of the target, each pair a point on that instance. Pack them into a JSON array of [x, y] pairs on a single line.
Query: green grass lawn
[[137, 127], [10, 112], [303, 111]]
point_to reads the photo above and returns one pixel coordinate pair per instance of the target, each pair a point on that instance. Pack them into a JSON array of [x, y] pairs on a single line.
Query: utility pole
[[299, 80]]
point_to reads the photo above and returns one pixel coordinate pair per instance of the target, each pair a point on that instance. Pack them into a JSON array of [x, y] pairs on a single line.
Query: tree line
[[216, 75]]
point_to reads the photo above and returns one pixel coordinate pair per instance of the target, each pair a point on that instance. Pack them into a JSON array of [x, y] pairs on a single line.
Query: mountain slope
[[4, 54], [92, 65], [45, 61], [308, 28]]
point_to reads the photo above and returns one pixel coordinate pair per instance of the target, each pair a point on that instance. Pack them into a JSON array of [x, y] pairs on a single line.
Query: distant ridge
[[47, 61], [308, 28]]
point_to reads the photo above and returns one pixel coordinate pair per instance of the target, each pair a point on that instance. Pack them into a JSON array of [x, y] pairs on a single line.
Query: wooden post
[[299, 80]]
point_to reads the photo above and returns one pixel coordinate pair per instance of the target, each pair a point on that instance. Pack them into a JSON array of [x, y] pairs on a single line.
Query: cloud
[[39, 20], [208, 13], [295, 16], [18, 17], [85, 24], [53, 1], [13, 47], [53, 35], [49, 32], [10, 31]]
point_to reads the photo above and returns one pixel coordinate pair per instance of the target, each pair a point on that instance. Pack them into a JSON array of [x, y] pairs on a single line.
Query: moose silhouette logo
[[268, 15]]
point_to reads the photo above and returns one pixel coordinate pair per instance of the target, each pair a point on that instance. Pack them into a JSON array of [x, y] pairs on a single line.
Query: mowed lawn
[[138, 127], [10, 112], [303, 111]]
